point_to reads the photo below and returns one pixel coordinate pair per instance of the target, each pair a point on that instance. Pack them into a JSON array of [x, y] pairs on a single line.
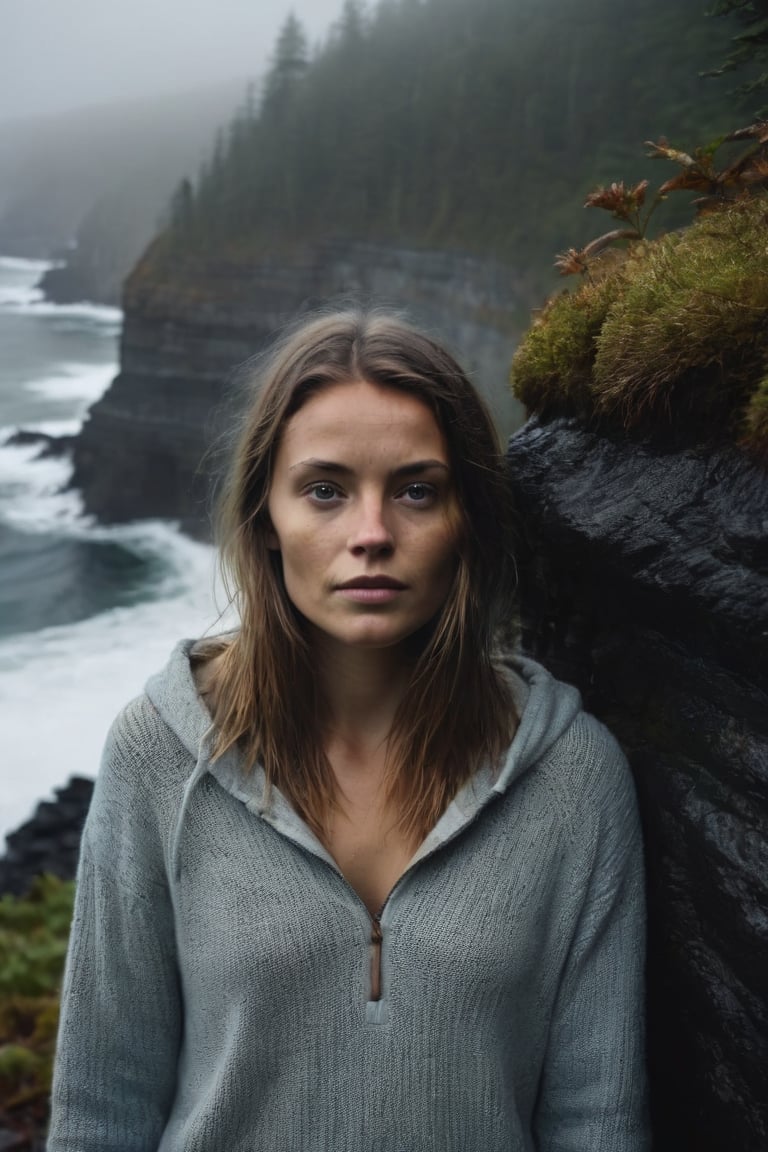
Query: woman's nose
[[370, 531]]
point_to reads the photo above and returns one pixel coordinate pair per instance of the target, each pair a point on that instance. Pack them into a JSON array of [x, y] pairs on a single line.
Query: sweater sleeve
[[593, 1093], [119, 1033]]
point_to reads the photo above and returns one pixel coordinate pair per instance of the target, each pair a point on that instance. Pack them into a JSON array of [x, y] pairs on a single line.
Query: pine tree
[[749, 47], [350, 28], [183, 208], [289, 65]]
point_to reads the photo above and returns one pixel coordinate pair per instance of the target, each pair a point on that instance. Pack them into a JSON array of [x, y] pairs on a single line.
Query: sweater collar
[[544, 707]]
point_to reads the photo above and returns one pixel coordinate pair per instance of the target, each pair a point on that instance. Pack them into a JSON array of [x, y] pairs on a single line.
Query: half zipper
[[376, 938], [377, 1010]]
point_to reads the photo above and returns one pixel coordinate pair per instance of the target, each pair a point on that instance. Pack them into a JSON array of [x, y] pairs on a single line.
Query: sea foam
[[20, 298], [33, 490], [85, 382], [24, 300], [22, 264], [61, 687], [34, 487]]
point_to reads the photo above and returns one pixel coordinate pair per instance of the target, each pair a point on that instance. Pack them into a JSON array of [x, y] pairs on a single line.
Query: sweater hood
[[545, 708]]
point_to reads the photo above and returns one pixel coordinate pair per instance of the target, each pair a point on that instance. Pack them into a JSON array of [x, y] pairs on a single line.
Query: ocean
[[87, 612]]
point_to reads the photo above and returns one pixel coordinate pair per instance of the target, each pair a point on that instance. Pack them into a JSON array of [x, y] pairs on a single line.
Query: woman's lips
[[371, 589]]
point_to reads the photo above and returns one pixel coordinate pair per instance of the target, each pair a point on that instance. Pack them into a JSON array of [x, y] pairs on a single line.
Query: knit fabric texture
[[217, 995]]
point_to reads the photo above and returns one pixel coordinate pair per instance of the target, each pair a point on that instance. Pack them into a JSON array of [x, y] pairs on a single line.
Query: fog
[[55, 56]]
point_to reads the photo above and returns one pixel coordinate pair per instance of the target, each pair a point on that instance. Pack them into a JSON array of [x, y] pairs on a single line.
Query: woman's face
[[364, 514]]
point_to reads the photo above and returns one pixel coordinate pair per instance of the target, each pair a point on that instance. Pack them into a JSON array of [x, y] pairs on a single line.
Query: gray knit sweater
[[217, 995]]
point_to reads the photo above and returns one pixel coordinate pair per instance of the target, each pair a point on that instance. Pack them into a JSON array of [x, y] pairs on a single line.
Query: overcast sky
[[62, 54]]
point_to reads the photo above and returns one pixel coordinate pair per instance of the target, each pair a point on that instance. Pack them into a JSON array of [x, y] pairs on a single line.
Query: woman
[[349, 879]]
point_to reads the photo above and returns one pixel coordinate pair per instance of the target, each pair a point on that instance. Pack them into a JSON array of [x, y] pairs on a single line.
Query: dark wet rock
[[49, 841], [49, 445], [146, 448], [69, 283], [644, 580]]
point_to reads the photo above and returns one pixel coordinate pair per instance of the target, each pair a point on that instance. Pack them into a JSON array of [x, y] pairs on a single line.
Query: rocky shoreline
[[49, 841], [70, 283], [48, 445]]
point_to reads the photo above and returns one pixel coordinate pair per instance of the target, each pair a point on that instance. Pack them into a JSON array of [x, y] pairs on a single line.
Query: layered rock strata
[[145, 450], [644, 580]]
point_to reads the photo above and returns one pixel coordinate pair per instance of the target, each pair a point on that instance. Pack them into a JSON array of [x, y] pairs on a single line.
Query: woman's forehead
[[358, 417]]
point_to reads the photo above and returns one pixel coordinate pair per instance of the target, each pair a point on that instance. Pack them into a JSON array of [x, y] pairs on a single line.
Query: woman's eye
[[419, 493], [322, 492]]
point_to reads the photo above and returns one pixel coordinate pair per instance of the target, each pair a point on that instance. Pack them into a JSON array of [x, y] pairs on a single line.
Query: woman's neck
[[362, 688]]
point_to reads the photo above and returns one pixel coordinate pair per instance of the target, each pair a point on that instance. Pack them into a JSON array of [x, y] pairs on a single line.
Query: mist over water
[[56, 56], [86, 612]]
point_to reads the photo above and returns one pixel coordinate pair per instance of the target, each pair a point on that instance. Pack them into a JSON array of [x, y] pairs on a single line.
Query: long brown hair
[[457, 712]]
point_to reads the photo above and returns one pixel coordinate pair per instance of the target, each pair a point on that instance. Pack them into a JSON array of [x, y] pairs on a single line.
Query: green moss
[[552, 367], [16, 1061], [678, 343], [33, 942], [755, 435]]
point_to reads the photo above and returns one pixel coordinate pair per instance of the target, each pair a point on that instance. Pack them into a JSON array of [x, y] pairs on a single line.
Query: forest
[[477, 126]]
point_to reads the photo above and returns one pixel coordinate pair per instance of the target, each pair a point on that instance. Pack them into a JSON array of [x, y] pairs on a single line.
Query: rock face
[[49, 841], [644, 580], [140, 451], [69, 284]]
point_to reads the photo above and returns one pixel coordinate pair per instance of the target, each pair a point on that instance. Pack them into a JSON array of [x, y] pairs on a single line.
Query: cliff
[[145, 448], [644, 580]]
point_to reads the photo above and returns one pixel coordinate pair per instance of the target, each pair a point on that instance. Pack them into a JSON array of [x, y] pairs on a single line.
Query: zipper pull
[[375, 958]]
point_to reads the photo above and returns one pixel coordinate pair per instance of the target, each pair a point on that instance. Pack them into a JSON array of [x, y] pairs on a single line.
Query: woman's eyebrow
[[413, 469], [319, 465], [419, 466]]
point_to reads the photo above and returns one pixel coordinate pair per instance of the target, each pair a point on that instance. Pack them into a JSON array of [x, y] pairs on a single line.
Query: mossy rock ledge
[[644, 580], [667, 342]]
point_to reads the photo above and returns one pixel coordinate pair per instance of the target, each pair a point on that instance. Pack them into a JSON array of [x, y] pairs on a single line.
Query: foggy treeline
[[470, 124], [102, 177], [476, 125]]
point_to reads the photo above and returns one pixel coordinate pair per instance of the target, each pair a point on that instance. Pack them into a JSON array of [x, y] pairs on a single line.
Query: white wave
[[86, 382], [97, 313], [20, 297], [34, 487], [61, 687], [34, 493], [31, 486], [14, 466], [22, 264], [46, 428]]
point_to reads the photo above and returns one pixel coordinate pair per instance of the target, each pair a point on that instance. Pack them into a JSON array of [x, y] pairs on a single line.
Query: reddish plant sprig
[[746, 175]]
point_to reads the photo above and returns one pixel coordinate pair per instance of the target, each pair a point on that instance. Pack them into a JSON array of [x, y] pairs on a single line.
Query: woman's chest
[[371, 852], [264, 920]]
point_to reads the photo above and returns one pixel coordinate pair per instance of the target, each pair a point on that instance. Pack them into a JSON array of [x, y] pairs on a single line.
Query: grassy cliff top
[[668, 339]]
